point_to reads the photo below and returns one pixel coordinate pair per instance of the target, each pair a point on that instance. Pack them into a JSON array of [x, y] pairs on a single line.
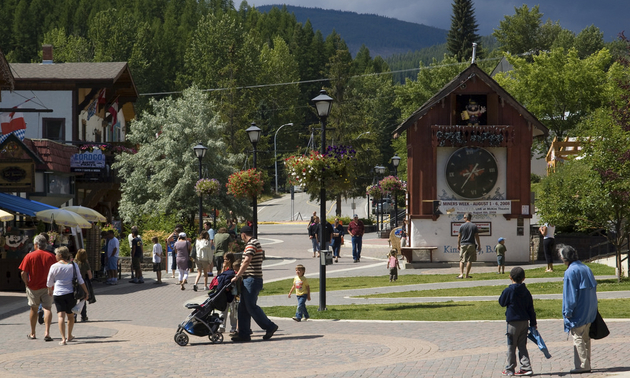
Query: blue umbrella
[[535, 337]]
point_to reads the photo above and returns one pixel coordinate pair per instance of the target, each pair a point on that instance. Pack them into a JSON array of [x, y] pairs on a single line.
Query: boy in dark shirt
[[520, 310]]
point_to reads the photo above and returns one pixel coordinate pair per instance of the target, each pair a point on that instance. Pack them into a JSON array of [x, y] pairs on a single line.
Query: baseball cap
[[247, 230], [355, 216], [501, 239], [182, 234]]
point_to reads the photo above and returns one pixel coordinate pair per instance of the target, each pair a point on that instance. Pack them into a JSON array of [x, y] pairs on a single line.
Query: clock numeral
[[451, 174], [473, 192], [492, 170]]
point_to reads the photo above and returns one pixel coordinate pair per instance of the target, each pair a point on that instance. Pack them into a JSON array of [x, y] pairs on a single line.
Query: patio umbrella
[[90, 215], [4, 216], [63, 218]]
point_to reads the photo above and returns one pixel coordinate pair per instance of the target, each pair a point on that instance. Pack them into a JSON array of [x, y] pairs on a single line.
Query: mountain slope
[[381, 35]]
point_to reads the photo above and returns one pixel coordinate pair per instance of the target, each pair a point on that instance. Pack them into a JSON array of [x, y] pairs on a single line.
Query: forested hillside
[[382, 35]]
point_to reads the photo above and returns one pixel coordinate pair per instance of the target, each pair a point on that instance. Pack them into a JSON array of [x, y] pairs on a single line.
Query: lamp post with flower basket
[[200, 151]]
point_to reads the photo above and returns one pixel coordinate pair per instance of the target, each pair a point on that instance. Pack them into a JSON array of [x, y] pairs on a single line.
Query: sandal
[[48, 338], [62, 342], [31, 337], [71, 338]]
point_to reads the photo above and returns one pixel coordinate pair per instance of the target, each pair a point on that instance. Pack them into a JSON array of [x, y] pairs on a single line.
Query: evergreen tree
[[463, 30]]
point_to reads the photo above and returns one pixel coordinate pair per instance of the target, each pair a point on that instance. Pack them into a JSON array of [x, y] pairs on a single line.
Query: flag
[[91, 110], [113, 111], [101, 97], [13, 122]]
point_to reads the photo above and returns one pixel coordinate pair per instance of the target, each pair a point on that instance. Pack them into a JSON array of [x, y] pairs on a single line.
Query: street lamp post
[[380, 170], [395, 162], [200, 151], [323, 103], [275, 155], [253, 132]]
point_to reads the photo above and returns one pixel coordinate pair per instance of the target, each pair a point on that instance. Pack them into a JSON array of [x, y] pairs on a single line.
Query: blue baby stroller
[[204, 320]]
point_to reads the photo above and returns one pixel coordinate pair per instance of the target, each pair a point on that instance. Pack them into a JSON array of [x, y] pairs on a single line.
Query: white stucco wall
[[59, 101]]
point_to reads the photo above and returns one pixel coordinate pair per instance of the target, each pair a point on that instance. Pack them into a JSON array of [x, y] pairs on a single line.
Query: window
[[54, 129]]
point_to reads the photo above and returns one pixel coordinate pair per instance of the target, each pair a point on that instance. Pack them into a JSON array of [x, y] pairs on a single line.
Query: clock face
[[471, 172]]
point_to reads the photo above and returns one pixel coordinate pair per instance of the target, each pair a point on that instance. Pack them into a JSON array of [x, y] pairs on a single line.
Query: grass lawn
[[534, 288], [346, 283], [445, 311]]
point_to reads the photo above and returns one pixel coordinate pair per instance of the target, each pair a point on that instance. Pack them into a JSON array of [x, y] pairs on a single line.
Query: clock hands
[[473, 172]]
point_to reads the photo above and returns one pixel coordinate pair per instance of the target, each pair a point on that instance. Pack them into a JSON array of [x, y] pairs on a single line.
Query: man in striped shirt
[[251, 272]]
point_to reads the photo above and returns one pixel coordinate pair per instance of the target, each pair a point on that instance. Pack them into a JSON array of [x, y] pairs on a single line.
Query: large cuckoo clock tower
[[469, 150]]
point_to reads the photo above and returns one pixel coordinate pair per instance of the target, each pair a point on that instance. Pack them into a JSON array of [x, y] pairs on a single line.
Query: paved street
[[131, 328]]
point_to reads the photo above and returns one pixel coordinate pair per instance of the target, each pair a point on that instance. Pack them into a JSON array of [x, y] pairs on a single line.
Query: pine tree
[[463, 30]]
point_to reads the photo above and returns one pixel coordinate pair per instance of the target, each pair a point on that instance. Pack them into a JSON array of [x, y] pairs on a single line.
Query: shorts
[[468, 253], [39, 296], [500, 260], [64, 303], [157, 267], [203, 265], [112, 263], [135, 263]]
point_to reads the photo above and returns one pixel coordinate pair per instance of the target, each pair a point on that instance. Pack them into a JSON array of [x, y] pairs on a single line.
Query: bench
[[418, 253]]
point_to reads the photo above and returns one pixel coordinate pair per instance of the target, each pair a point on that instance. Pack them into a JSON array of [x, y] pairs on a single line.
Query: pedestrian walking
[[337, 237], [302, 292], [111, 257], [157, 259], [204, 256], [34, 270], [182, 247], [519, 312], [313, 234], [393, 265], [60, 287], [549, 244], [356, 229], [251, 272], [137, 256], [86, 272], [467, 239]]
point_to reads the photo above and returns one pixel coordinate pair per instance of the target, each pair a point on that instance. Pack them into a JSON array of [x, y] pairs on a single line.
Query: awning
[[22, 205]]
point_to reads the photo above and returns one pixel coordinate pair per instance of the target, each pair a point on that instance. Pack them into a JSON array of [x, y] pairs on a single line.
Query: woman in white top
[[60, 287], [205, 255], [549, 243]]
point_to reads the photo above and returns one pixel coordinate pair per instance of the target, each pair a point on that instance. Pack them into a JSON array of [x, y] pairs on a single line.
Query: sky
[[611, 16]]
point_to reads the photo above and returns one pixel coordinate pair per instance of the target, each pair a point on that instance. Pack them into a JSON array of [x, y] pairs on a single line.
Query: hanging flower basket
[[244, 184], [207, 187], [392, 184], [374, 191], [309, 170]]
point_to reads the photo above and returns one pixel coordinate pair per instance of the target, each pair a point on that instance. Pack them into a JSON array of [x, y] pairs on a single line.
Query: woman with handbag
[[65, 284], [86, 272], [182, 247]]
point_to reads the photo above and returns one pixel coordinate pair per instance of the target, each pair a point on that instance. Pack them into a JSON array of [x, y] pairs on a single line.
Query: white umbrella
[[63, 218], [4, 216], [90, 215]]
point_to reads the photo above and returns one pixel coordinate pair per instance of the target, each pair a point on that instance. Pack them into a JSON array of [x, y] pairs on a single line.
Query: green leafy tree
[[68, 48], [161, 177], [558, 87], [463, 31], [589, 41], [524, 32]]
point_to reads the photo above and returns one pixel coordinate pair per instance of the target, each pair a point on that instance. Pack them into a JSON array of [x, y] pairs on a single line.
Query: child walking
[[500, 249], [393, 265], [520, 310], [302, 291], [157, 259]]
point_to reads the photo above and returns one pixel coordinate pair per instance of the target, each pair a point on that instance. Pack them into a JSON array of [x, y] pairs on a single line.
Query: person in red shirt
[[34, 272], [356, 229]]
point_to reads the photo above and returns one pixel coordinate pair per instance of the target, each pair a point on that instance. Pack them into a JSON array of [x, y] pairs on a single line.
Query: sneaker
[[135, 280], [195, 287], [238, 339], [524, 372], [233, 333], [507, 372], [297, 319], [141, 280], [40, 316], [84, 319], [270, 332]]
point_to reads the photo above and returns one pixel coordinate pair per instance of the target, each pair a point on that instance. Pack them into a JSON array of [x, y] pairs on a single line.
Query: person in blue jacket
[[579, 306], [519, 311]]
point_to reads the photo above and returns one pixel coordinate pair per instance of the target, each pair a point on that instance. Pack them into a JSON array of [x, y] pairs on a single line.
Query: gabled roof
[[75, 75], [465, 75]]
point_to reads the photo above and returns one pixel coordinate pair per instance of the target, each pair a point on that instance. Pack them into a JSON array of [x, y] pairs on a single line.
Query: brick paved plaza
[[131, 328]]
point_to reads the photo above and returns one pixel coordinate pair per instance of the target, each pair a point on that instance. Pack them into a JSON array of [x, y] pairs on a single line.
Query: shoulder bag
[[598, 329], [78, 290]]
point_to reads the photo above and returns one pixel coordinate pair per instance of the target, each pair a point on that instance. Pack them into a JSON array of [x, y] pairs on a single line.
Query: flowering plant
[[374, 191], [308, 170], [90, 147], [247, 183], [207, 187], [52, 237], [392, 184]]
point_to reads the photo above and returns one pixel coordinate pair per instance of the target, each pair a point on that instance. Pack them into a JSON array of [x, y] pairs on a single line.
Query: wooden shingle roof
[[473, 71]]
